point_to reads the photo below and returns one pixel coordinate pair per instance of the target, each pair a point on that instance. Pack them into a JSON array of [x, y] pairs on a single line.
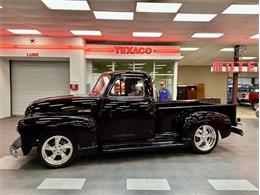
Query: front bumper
[[13, 150], [237, 131]]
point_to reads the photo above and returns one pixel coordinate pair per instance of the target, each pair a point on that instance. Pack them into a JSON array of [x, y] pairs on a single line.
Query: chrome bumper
[[13, 150], [237, 131]]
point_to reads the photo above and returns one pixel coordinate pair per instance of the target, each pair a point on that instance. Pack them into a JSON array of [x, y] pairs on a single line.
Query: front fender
[[220, 122], [32, 129]]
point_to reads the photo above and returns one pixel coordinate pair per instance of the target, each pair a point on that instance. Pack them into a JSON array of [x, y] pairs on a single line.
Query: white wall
[[215, 83], [78, 65], [5, 103]]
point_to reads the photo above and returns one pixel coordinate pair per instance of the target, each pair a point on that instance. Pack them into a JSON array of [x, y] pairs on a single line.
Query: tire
[[255, 104], [204, 138], [57, 150]]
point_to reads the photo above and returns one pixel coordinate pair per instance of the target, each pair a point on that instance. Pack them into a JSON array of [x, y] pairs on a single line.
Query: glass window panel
[[101, 66], [144, 66], [164, 67], [128, 66]]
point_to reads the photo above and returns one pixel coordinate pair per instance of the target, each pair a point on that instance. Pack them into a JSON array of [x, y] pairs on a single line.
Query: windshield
[[100, 86]]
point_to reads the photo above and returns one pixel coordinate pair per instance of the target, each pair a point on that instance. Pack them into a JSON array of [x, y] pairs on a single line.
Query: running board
[[140, 146]]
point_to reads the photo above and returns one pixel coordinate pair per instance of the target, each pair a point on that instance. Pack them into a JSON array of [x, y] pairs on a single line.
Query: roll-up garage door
[[33, 80]]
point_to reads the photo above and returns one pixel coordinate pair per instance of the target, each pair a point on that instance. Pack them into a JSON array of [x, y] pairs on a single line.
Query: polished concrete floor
[[231, 169]]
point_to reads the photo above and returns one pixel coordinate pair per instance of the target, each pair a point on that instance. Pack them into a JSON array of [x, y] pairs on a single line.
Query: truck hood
[[62, 105]]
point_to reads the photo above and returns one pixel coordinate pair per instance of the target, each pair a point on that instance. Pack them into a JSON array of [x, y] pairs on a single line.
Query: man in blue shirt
[[164, 93]]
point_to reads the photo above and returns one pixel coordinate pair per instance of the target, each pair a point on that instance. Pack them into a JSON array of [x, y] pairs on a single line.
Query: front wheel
[[204, 139], [56, 151]]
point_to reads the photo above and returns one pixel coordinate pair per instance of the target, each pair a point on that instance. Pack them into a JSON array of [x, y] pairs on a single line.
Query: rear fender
[[220, 122], [82, 130]]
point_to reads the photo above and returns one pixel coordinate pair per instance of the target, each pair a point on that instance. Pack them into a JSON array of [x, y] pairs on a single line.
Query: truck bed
[[169, 114]]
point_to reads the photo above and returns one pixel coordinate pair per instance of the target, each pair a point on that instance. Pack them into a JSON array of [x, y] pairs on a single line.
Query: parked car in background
[[254, 98], [242, 93]]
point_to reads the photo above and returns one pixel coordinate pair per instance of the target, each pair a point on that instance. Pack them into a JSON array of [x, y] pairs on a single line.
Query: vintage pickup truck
[[120, 114]]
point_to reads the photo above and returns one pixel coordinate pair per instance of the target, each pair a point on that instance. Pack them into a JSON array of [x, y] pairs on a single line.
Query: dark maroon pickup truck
[[120, 114]]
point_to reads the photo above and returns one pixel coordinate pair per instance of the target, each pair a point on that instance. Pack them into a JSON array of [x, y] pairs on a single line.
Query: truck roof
[[114, 73]]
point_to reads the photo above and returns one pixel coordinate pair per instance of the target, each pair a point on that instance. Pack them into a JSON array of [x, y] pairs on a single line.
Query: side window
[[128, 87]]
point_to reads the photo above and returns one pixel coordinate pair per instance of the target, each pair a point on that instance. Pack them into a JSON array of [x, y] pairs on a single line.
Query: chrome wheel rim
[[57, 150], [205, 137]]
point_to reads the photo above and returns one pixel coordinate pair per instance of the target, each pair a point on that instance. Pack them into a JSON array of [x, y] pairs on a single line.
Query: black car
[[120, 114]]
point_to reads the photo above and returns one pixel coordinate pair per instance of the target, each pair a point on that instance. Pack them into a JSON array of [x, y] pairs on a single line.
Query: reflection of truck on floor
[[120, 114]]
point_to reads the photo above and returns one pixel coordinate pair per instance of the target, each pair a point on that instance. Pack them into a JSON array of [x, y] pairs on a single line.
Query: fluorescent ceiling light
[[161, 65], [158, 68], [247, 58], [86, 32], [139, 64], [194, 17], [207, 35], [242, 9], [254, 36], [25, 31], [189, 48], [114, 15], [139, 67], [158, 7], [66, 4], [147, 34], [228, 49]]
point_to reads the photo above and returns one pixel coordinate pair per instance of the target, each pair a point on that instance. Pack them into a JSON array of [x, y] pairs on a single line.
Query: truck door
[[127, 112]]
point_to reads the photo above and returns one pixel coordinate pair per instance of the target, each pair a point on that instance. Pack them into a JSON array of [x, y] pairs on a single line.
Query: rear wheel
[[204, 139], [57, 150]]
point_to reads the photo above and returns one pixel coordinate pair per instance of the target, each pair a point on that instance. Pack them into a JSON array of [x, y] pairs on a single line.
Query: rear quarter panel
[[172, 118]]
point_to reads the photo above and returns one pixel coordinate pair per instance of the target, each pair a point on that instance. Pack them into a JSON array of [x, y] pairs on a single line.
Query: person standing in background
[[164, 93]]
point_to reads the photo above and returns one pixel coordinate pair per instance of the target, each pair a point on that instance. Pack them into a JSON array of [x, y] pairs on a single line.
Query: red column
[[235, 75]]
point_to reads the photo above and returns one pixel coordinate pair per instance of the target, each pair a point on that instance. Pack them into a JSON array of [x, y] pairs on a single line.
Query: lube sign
[[230, 66], [132, 50]]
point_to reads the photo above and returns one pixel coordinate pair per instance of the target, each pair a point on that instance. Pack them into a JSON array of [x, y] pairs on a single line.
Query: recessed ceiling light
[[228, 49], [254, 36], [207, 35], [242, 9], [194, 17], [25, 31], [66, 4], [1, 6], [189, 48], [247, 58], [158, 7], [86, 32], [114, 15], [147, 34]]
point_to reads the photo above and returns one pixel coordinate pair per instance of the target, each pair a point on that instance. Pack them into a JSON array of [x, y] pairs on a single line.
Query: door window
[[128, 87]]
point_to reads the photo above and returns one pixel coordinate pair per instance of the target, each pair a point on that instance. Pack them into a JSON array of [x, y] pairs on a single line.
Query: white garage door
[[33, 80]]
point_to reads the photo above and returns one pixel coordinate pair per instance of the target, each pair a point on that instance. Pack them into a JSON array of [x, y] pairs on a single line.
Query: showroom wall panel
[[215, 83], [4, 88]]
